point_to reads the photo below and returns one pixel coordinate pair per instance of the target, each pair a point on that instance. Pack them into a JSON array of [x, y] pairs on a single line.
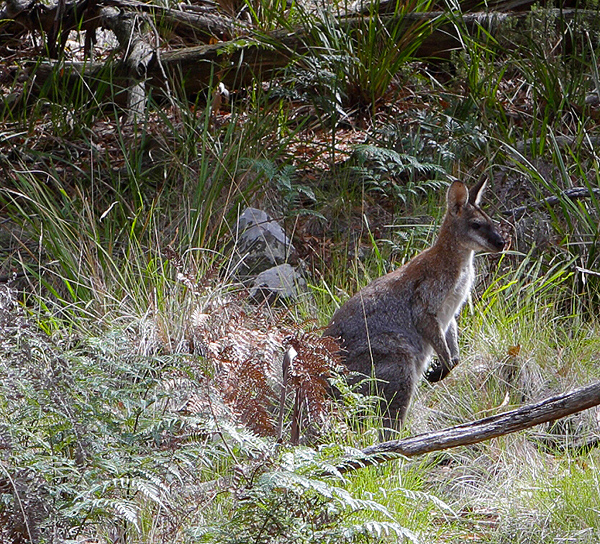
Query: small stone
[[279, 282], [262, 244]]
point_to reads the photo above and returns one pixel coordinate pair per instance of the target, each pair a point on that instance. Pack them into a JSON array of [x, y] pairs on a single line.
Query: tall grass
[[97, 242]]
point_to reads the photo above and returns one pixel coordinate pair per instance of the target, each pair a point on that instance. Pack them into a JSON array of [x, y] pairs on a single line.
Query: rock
[[262, 244], [279, 282]]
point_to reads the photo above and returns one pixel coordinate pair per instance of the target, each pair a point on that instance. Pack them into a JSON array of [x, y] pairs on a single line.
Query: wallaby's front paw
[[435, 372]]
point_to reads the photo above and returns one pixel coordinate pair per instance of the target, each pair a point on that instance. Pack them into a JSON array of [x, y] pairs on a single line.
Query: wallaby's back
[[391, 327]]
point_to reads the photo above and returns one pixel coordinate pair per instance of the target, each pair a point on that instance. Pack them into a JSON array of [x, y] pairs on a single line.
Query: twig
[[587, 272]]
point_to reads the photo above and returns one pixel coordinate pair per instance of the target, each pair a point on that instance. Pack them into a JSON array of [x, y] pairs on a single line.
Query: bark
[[483, 429], [136, 41]]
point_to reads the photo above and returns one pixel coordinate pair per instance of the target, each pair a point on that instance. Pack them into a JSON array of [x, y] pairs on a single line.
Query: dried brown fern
[[246, 347], [316, 357], [246, 389]]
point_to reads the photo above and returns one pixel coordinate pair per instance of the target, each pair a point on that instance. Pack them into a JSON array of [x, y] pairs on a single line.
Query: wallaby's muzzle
[[496, 241]]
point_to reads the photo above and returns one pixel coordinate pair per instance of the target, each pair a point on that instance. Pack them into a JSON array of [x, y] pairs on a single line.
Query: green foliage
[[433, 141], [573, 495], [396, 174], [352, 65], [296, 504], [530, 287], [556, 62]]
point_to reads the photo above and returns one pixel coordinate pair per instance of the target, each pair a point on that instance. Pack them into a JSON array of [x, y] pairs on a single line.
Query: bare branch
[[572, 194], [480, 430]]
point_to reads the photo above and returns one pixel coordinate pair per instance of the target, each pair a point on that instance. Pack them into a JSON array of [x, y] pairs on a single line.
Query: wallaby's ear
[[476, 191], [458, 196]]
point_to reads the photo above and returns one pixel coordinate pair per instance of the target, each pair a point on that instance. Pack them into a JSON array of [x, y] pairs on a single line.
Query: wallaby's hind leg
[[395, 381]]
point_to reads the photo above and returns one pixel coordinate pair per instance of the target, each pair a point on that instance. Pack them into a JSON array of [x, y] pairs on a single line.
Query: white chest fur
[[458, 294]]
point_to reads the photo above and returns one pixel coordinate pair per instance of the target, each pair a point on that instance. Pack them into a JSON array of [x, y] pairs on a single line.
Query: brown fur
[[390, 328]]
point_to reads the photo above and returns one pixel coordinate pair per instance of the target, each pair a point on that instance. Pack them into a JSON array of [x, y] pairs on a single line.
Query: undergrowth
[[140, 392]]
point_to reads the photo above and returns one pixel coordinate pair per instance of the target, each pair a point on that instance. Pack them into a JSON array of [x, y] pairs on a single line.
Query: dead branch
[[237, 63], [477, 431], [57, 21], [572, 194], [561, 141]]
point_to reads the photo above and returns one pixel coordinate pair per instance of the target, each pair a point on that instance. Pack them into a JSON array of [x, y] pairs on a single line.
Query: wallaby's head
[[467, 222]]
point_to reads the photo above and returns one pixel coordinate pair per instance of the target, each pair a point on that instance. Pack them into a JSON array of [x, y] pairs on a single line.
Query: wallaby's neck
[[449, 245]]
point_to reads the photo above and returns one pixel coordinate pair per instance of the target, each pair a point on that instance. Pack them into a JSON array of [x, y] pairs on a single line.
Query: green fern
[[293, 502], [398, 175]]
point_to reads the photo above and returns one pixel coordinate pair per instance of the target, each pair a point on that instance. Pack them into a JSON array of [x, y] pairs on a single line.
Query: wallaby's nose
[[497, 242]]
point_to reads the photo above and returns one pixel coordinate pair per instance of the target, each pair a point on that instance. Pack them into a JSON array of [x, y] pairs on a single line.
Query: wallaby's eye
[[475, 225]]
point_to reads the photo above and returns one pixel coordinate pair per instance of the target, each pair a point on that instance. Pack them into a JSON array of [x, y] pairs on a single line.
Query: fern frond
[[245, 388], [316, 359], [152, 491], [379, 529], [123, 509]]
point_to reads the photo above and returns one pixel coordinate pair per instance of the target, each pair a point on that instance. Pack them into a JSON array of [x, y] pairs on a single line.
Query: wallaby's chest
[[457, 293]]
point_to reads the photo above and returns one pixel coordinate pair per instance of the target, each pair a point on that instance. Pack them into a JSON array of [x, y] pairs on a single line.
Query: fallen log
[[478, 431], [257, 58], [241, 61]]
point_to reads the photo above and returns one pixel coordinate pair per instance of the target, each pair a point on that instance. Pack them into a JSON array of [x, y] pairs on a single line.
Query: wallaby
[[390, 328]]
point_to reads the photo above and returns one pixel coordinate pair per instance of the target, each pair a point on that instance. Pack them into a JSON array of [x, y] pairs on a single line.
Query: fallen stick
[[480, 430], [572, 194]]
